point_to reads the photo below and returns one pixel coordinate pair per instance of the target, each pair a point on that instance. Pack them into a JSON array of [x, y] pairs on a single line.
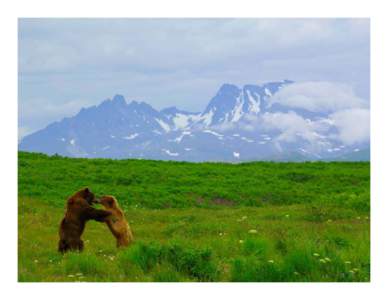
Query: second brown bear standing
[[116, 222]]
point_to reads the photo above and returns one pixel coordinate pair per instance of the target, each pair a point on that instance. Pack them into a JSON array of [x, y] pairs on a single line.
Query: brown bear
[[116, 222], [79, 210]]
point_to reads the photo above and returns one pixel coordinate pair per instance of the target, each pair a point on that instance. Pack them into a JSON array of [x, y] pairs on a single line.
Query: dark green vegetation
[[257, 221]]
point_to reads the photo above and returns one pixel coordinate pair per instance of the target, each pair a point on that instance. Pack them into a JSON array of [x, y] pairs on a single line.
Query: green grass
[[258, 221]]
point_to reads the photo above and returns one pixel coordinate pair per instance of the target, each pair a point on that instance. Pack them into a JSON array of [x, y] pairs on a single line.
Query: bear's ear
[[71, 201], [87, 192]]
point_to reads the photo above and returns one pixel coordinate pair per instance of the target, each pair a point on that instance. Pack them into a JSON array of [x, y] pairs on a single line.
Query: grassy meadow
[[259, 221]]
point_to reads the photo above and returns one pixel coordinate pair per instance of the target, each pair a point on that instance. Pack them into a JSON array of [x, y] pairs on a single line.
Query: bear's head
[[82, 198], [108, 202]]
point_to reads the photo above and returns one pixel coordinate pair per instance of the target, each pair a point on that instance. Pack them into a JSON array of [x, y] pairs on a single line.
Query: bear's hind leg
[[63, 246], [80, 246], [122, 241]]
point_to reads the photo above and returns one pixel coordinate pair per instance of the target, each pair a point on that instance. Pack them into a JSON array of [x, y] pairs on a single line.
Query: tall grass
[[195, 263]]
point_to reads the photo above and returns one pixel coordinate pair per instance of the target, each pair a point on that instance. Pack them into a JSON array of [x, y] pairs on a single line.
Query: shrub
[[166, 273], [87, 264], [146, 256], [338, 241], [256, 247], [297, 177], [300, 261], [252, 269], [196, 263]]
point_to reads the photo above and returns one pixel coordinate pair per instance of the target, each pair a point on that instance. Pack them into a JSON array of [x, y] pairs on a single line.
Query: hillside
[[261, 222], [159, 184]]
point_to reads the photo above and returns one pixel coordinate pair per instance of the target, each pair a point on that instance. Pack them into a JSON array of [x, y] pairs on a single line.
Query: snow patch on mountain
[[131, 136], [163, 125], [254, 106], [237, 112], [179, 138], [168, 152], [207, 118], [213, 133], [181, 121], [247, 140]]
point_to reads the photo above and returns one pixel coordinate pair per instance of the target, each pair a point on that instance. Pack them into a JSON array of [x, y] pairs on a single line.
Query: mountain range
[[238, 124]]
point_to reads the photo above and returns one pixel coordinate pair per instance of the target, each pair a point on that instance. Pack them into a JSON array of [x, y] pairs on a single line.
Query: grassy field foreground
[[200, 222]]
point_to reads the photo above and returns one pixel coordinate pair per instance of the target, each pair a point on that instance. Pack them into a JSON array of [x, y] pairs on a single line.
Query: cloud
[[338, 102], [353, 125], [181, 62], [348, 127], [319, 96], [342, 117], [50, 109], [43, 112], [141, 44], [23, 131], [291, 126]]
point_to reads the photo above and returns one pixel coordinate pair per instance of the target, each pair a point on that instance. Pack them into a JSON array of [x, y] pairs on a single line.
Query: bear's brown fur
[[79, 210], [116, 222]]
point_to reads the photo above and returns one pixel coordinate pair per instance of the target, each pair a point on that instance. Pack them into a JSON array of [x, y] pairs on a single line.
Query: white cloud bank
[[319, 96], [344, 111], [291, 125], [353, 125], [341, 115], [63, 60]]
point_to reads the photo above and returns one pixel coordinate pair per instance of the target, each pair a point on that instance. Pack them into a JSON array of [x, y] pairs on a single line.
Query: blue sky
[[67, 64]]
